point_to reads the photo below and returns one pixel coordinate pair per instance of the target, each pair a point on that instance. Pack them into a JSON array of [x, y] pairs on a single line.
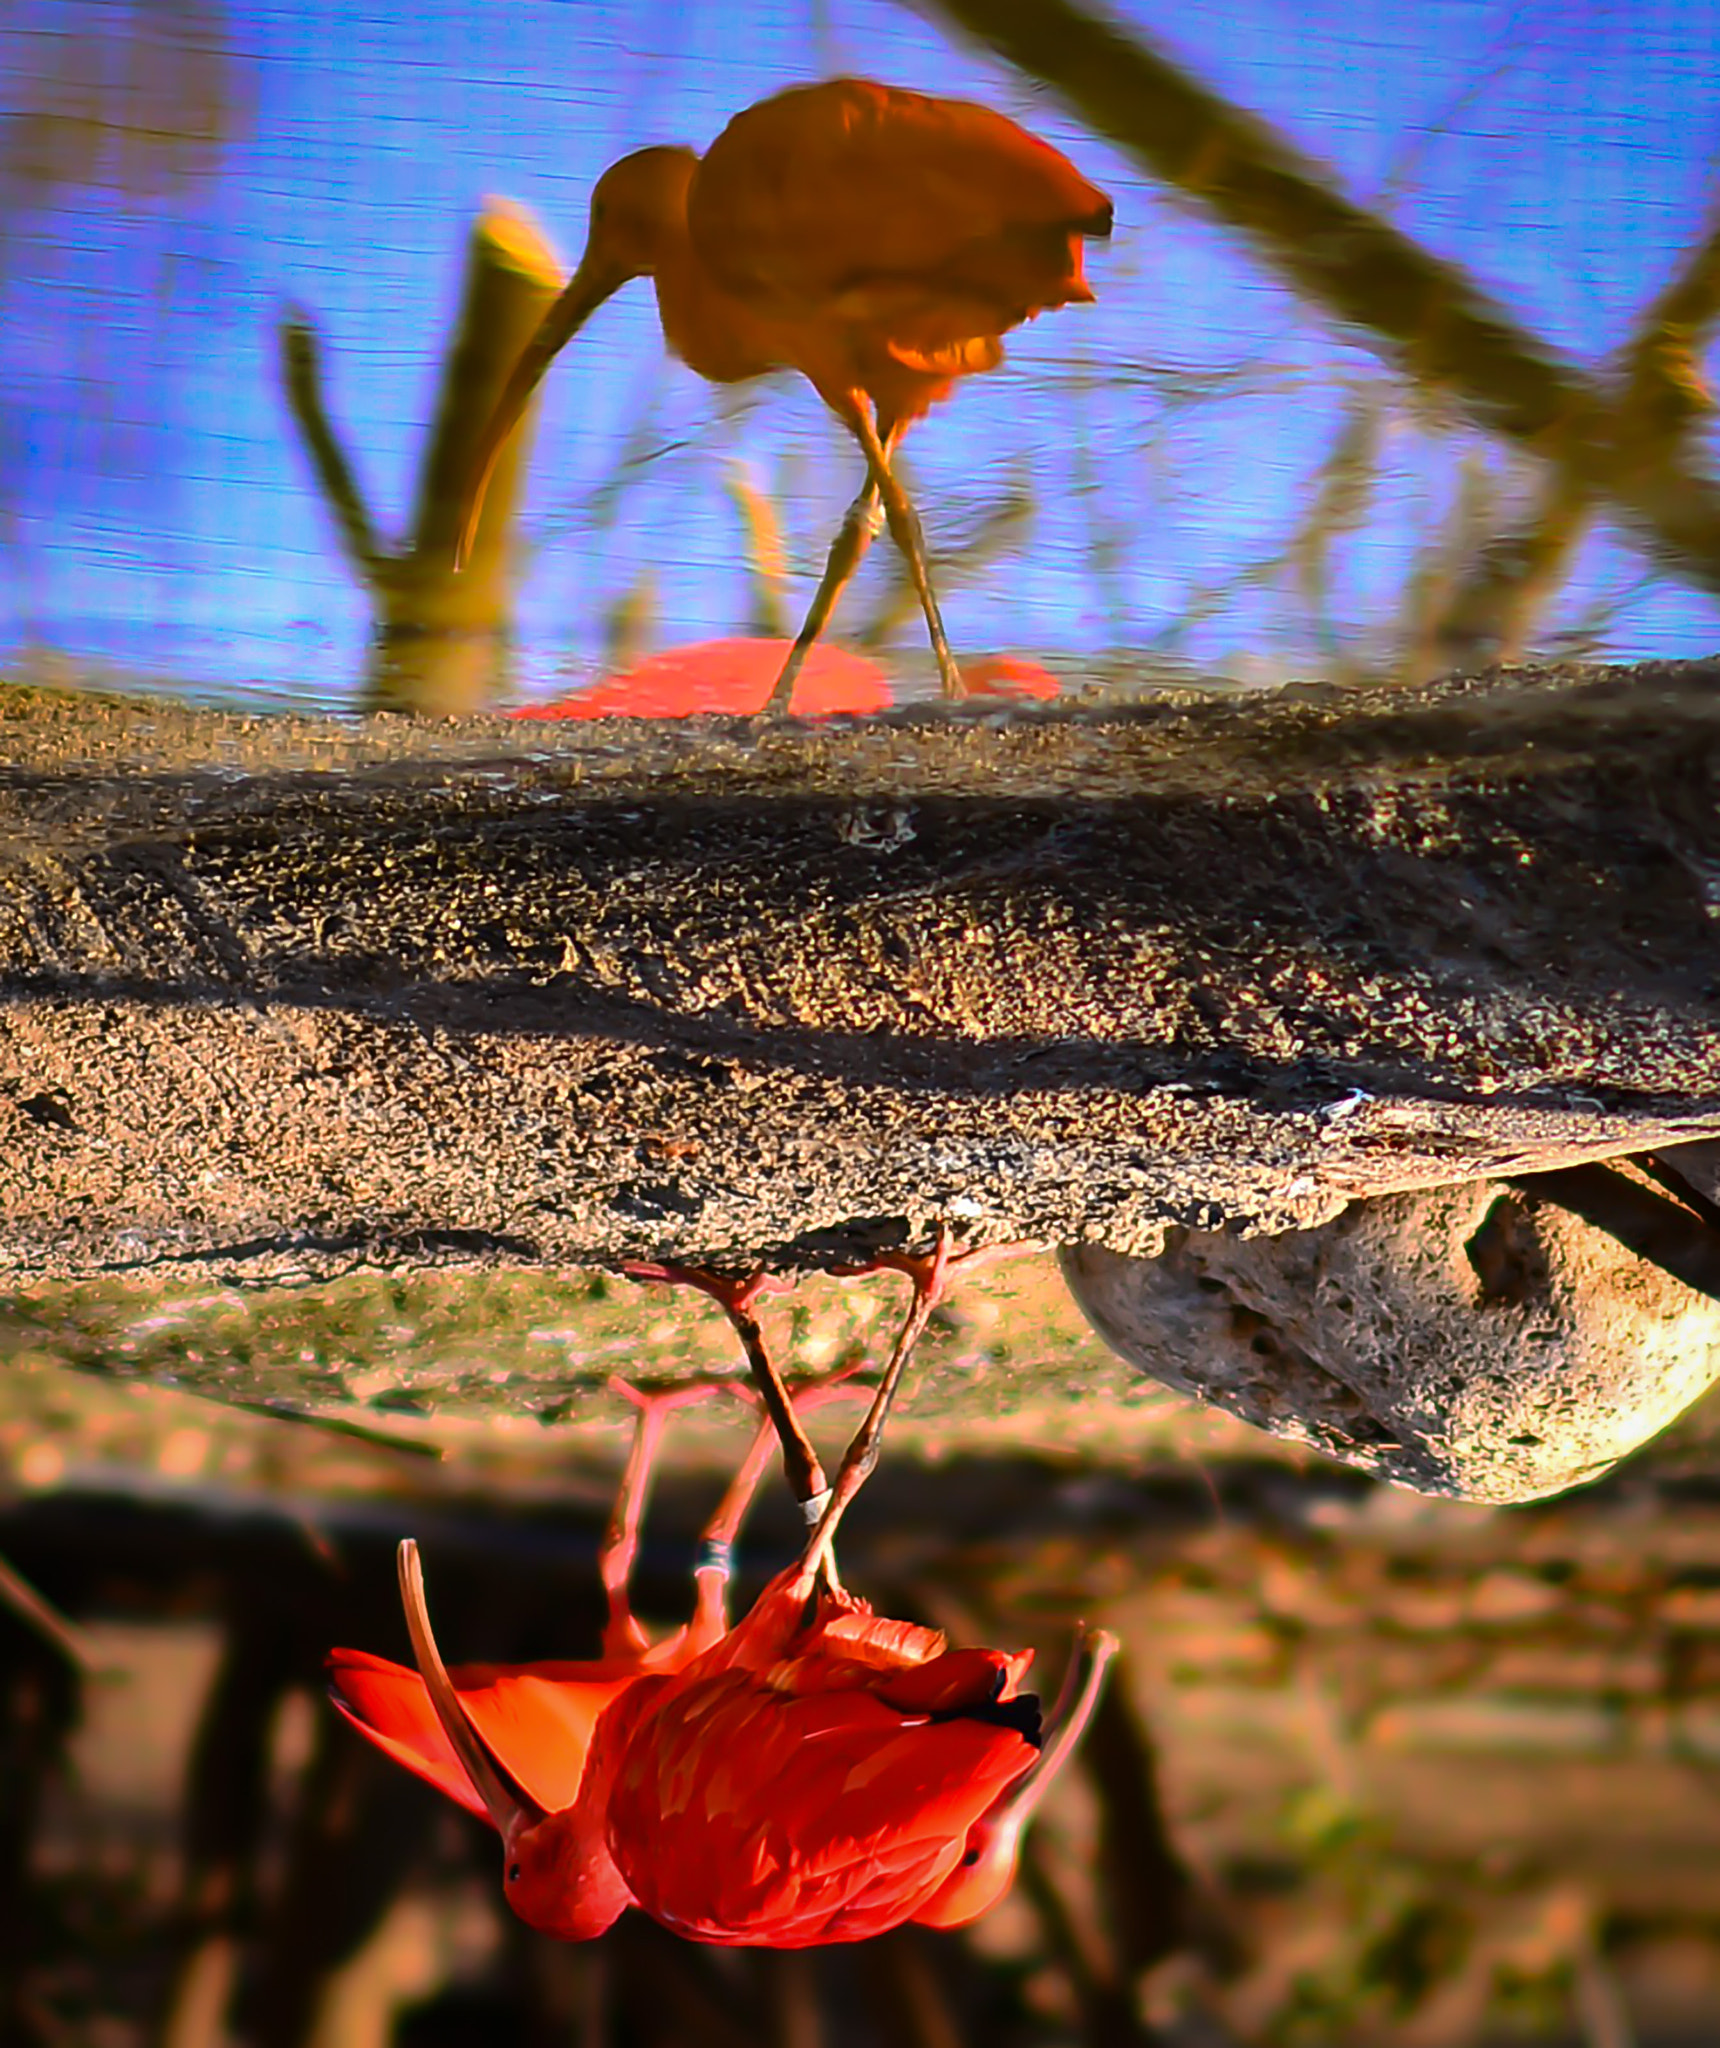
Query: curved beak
[[597, 278], [510, 1804], [1064, 1726]]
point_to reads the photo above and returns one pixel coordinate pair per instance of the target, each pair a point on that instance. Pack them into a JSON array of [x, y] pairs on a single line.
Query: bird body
[[894, 236], [818, 1774], [815, 1773], [877, 240], [814, 1777]]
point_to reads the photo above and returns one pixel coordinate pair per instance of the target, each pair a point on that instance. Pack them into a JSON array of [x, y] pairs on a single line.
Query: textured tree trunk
[[279, 996]]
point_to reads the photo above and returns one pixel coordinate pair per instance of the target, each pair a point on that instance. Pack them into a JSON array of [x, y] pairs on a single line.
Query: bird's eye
[[513, 1873]]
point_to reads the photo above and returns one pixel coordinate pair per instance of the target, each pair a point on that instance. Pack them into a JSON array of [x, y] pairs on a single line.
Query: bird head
[[638, 215], [638, 209], [557, 1873], [559, 1878], [987, 1868]]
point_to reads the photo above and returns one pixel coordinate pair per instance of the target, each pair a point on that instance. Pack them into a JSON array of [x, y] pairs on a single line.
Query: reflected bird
[[818, 1773], [877, 240]]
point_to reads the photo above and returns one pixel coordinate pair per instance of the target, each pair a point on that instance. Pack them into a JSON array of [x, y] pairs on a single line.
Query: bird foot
[[814, 1390], [664, 1398], [931, 1272], [735, 1296]]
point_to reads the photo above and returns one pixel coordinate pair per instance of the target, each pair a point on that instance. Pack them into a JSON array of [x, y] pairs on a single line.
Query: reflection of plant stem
[[1142, 1880], [912, 2000], [1431, 318], [959, 562], [302, 373], [441, 637], [766, 575], [46, 1620], [1343, 485], [1599, 2006]]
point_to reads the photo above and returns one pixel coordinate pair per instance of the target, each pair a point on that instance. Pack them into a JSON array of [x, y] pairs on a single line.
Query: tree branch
[[284, 995]]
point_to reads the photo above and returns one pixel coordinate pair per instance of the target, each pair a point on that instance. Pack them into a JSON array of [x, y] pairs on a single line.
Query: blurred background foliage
[[1400, 357]]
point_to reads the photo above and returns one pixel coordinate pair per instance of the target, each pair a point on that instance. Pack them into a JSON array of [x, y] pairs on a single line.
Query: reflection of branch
[[1443, 332], [1659, 393], [1664, 389], [1358, 268], [301, 371], [441, 636]]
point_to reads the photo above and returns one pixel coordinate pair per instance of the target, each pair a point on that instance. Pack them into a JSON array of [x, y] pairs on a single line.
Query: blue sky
[[158, 510]]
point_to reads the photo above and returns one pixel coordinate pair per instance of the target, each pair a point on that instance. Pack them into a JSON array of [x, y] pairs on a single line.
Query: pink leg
[[930, 1275], [622, 1634], [800, 1464], [711, 1573]]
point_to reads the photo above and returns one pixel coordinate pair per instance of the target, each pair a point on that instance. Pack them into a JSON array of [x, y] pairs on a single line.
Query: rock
[[1480, 1341]]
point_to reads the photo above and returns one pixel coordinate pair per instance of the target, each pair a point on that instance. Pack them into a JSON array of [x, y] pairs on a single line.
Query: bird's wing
[[841, 1645], [750, 1817], [537, 1718], [827, 189]]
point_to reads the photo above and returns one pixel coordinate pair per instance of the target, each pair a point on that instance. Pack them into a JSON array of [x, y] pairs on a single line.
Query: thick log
[[280, 996]]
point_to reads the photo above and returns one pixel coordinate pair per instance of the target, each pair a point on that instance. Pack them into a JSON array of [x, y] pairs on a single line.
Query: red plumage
[[879, 241], [807, 1780], [816, 1773]]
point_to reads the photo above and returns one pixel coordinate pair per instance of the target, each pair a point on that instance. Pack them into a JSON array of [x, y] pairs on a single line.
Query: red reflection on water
[[735, 677]]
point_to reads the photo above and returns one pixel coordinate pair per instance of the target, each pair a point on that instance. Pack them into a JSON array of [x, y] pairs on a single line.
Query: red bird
[[725, 676], [818, 1773], [542, 1715], [877, 240]]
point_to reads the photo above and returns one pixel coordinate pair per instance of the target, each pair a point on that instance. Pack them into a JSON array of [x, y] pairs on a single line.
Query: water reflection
[[1358, 423]]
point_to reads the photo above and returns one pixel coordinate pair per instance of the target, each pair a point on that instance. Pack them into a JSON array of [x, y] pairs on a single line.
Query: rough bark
[[280, 996]]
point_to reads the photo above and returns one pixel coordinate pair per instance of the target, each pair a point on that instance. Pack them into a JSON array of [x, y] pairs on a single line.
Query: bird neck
[[717, 335], [568, 1884]]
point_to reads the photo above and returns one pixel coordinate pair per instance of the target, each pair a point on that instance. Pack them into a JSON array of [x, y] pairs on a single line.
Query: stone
[[1482, 1341]]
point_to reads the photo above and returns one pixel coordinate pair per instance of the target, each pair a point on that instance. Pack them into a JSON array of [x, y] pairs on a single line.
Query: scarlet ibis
[[877, 240], [542, 1714], [817, 1773]]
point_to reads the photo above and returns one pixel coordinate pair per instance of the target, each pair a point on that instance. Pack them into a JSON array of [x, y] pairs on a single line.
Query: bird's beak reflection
[[598, 278]]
